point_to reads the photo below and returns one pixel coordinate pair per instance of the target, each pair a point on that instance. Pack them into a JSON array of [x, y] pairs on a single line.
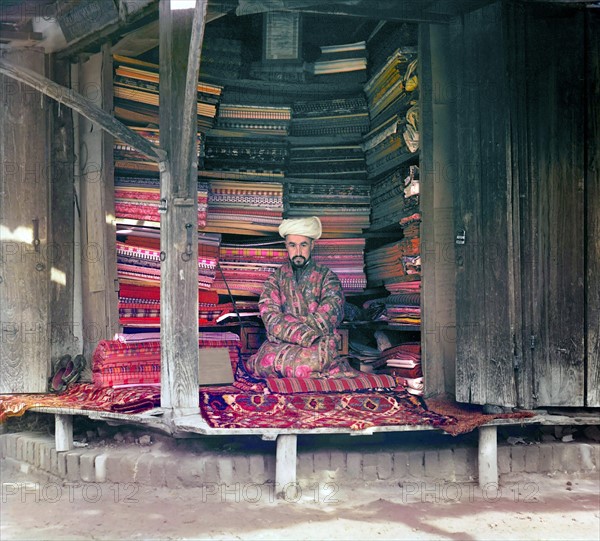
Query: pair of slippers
[[66, 370]]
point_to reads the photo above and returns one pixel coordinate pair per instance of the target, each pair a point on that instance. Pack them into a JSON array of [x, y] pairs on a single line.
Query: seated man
[[301, 306]]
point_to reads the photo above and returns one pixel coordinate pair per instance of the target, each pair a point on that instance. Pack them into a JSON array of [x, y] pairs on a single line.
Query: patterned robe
[[301, 314]]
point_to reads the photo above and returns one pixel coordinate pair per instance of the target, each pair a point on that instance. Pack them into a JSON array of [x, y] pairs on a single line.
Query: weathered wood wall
[[24, 231]]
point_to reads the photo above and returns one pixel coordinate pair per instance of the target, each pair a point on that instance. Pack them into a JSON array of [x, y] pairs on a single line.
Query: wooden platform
[[286, 438]]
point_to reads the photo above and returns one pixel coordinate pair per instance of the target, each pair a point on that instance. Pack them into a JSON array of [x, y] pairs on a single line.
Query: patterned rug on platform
[[232, 407], [355, 410]]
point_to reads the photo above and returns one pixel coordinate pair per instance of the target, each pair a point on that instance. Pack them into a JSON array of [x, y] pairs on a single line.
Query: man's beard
[[298, 261]]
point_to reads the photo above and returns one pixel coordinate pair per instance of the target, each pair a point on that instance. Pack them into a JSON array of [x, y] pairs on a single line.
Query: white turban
[[307, 227]]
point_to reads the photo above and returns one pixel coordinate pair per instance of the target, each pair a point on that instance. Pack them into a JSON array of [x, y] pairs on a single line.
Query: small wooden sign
[[281, 36]]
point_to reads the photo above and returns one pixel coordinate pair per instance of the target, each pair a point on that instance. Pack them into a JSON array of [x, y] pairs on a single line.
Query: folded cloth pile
[[124, 362]]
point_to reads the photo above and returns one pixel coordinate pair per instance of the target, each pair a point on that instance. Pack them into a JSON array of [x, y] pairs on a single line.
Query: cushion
[[330, 385]]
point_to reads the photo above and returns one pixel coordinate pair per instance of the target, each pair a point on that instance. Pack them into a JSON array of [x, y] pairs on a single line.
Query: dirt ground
[[528, 507]]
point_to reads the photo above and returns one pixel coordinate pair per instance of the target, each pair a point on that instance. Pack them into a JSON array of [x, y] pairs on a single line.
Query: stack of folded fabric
[[344, 64], [139, 306], [398, 310], [403, 360], [403, 287], [283, 72], [137, 198], [130, 161], [221, 56], [138, 269], [344, 256], [346, 117], [246, 265], [244, 207], [395, 199], [392, 97], [386, 89], [134, 359], [391, 262], [385, 38], [241, 154], [136, 97], [330, 165], [237, 120], [343, 206], [346, 162], [138, 256]]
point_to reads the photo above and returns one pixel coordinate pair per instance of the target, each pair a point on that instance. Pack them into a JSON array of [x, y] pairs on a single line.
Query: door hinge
[[532, 341]]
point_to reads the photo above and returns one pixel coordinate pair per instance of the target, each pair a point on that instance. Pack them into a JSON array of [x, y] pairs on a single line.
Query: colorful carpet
[[229, 408]]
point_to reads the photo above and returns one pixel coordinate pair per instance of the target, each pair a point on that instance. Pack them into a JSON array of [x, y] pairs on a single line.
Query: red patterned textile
[[226, 407], [117, 363], [83, 396], [330, 385]]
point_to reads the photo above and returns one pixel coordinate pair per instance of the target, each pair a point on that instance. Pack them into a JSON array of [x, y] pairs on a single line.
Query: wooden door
[[552, 188], [25, 253], [527, 331], [487, 311]]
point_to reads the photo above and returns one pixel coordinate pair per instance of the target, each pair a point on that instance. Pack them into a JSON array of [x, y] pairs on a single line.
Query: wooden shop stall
[[451, 149]]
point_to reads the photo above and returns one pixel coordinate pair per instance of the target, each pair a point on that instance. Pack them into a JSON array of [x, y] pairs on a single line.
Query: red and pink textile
[[115, 362]]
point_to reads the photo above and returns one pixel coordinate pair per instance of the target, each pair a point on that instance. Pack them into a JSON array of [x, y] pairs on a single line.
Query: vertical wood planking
[[487, 305], [108, 182], [496, 211], [433, 371], [438, 178], [522, 239], [179, 270], [24, 196], [471, 344], [62, 203], [593, 210], [98, 256], [556, 100]]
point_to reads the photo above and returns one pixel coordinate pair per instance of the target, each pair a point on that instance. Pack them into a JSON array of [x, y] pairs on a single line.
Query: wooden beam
[[180, 42], [387, 14], [93, 42], [7, 36], [188, 152], [83, 106]]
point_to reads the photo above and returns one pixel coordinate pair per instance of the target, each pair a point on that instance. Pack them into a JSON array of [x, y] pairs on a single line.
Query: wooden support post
[[285, 466], [63, 432], [98, 230], [180, 37], [488, 455]]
